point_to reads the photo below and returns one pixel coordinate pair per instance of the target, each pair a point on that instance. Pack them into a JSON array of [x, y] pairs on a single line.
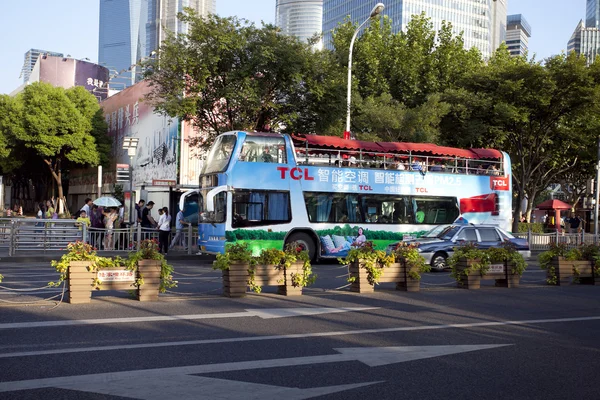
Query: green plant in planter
[[470, 251], [508, 253], [238, 253], [294, 253], [76, 251], [373, 261], [149, 250], [557, 250], [415, 262], [271, 257], [80, 251]]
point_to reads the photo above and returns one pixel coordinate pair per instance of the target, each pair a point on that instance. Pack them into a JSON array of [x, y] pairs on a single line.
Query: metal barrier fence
[[18, 235], [542, 241]]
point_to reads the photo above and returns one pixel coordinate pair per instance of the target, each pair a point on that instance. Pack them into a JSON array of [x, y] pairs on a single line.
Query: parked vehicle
[[437, 244]]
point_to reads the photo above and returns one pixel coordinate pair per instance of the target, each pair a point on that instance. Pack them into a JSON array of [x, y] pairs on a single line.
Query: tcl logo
[[499, 183], [295, 173]]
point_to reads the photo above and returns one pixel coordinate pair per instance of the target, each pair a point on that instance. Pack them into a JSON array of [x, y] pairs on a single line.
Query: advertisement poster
[[129, 115]]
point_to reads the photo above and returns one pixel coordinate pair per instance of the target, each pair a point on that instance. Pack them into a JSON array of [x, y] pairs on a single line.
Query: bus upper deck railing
[[28, 235], [398, 161]]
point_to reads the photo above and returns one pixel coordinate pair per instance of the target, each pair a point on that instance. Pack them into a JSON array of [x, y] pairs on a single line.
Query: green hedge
[[536, 227]]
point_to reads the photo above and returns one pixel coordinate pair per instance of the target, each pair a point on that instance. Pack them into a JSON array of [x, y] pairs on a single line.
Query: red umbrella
[[553, 204]]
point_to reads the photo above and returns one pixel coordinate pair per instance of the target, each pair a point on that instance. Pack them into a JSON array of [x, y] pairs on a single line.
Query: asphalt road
[[532, 342]]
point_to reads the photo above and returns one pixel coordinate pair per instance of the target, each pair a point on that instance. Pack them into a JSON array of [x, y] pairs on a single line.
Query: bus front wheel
[[305, 242]]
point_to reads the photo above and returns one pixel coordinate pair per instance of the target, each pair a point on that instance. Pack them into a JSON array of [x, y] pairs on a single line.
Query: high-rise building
[[31, 58], [585, 41], [592, 14], [498, 24], [131, 30], [300, 18], [518, 32], [481, 21]]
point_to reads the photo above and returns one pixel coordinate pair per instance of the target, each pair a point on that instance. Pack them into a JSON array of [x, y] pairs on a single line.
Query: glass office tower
[[300, 18], [482, 21], [131, 29], [518, 32], [586, 37]]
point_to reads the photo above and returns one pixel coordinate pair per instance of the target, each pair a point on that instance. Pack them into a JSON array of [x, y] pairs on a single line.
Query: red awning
[[487, 153], [339, 143], [335, 142]]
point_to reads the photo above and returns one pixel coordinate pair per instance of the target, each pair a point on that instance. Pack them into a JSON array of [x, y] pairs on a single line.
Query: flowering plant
[[148, 250]]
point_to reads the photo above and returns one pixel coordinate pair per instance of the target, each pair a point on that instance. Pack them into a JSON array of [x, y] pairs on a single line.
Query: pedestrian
[[164, 231], [83, 219], [147, 221], [180, 222], [109, 223], [87, 207], [138, 210], [574, 223]]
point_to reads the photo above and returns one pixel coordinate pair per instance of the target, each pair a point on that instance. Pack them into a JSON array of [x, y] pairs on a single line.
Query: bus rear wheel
[[305, 242]]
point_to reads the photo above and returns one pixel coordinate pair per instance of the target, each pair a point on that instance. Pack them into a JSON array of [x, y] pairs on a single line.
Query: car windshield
[[219, 155], [435, 231], [505, 235], [449, 232]]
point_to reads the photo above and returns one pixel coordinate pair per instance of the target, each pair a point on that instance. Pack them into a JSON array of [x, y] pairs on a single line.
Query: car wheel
[[438, 261], [305, 242]]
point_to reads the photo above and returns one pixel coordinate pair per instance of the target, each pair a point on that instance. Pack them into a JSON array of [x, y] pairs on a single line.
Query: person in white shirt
[[179, 239], [164, 231], [87, 207]]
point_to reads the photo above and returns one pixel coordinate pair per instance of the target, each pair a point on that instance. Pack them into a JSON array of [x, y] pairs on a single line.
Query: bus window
[[219, 155], [255, 208], [380, 209], [220, 209], [266, 149]]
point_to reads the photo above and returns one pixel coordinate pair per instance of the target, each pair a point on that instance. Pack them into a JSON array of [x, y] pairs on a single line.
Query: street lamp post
[[374, 12], [130, 144]]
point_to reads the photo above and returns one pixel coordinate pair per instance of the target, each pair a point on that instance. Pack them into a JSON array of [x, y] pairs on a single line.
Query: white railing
[[29, 235], [542, 241]]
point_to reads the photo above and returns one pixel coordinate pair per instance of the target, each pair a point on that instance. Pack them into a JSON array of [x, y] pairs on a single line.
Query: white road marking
[[121, 381], [292, 336], [265, 313]]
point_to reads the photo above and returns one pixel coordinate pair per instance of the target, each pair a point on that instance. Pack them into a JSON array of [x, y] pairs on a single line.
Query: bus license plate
[[203, 248]]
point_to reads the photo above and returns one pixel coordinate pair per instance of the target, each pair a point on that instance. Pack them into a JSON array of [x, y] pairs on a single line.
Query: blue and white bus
[[271, 189]]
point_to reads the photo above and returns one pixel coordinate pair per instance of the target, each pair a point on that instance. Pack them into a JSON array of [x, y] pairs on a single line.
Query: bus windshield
[[219, 155]]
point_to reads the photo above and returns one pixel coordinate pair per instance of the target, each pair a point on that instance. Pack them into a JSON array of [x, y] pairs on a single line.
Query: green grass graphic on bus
[[259, 239]]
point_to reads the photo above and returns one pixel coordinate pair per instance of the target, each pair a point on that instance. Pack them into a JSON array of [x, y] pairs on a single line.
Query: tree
[[226, 74], [398, 77], [534, 112], [55, 129]]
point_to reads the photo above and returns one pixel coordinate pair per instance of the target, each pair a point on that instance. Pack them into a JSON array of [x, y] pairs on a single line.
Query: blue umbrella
[[106, 201]]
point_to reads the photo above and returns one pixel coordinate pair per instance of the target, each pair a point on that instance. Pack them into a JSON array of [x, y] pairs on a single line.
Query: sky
[[71, 27]]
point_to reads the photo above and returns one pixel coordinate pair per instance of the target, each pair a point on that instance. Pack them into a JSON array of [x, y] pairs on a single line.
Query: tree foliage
[[51, 124], [534, 112], [226, 74], [398, 77]]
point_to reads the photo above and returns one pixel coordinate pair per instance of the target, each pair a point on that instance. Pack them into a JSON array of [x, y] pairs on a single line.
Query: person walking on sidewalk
[[164, 231], [179, 239]]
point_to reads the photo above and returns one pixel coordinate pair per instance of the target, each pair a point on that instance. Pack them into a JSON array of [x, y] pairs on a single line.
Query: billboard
[[128, 115]]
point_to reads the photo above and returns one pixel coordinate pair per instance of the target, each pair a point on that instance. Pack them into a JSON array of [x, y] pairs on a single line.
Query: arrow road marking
[[371, 356], [266, 313]]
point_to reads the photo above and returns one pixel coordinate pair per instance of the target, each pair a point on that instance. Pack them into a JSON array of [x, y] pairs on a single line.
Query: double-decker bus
[[272, 189]]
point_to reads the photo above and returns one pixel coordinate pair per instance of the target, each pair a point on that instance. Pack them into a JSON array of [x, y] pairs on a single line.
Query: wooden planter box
[[500, 272], [396, 272], [149, 270], [564, 271], [287, 288], [235, 280], [81, 281], [360, 284]]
